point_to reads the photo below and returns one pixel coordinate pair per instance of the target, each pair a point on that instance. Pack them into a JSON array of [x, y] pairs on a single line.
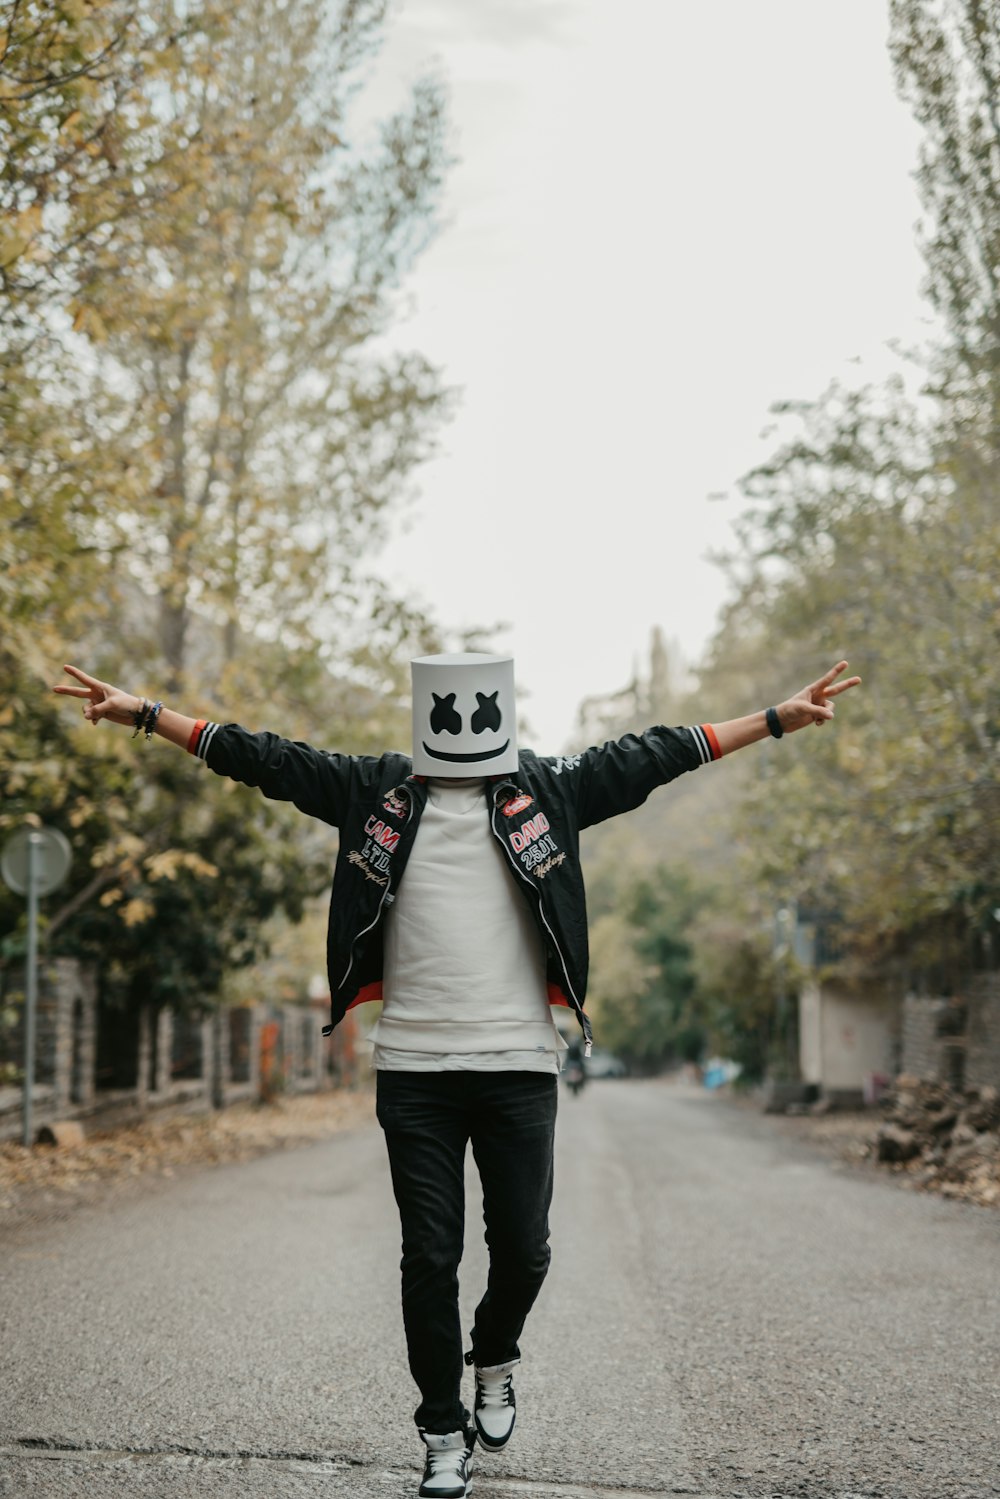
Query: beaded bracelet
[[151, 717], [139, 716], [145, 718]]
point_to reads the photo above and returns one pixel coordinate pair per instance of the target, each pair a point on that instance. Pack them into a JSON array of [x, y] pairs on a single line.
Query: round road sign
[[53, 857]]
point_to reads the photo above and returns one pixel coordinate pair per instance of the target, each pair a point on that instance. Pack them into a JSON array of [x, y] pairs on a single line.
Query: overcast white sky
[[664, 217]]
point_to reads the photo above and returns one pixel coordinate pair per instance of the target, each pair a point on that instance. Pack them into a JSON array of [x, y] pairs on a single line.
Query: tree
[[863, 536], [75, 81], [643, 992], [236, 375], [69, 89], [176, 873], [947, 64], [215, 430], [737, 981], [877, 524], [873, 529], [203, 449]]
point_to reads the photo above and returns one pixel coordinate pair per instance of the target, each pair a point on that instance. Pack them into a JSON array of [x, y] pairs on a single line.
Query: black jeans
[[428, 1119]]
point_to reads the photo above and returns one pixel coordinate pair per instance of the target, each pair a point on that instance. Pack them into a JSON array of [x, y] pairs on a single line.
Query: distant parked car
[[602, 1063]]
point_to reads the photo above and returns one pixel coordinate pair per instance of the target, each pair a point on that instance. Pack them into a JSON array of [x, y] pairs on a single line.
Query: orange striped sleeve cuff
[[706, 742], [202, 735]]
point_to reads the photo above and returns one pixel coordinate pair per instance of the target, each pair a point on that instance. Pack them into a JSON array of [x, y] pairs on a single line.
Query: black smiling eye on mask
[[444, 719], [487, 715]]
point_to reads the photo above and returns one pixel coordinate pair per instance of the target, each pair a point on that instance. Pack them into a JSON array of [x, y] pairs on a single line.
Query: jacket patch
[[357, 858], [535, 846], [517, 804], [374, 859], [528, 832], [394, 804], [377, 831], [537, 853]]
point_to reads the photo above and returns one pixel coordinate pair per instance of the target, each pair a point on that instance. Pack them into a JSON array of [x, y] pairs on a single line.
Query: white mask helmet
[[464, 716]]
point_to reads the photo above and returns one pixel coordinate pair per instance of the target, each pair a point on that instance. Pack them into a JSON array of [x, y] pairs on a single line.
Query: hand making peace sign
[[102, 700], [812, 704]]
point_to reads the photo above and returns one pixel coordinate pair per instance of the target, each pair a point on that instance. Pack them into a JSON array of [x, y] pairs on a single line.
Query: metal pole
[[31, 997]]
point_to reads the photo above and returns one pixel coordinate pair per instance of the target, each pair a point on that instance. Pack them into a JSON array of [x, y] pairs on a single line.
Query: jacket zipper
[[588, 1039]]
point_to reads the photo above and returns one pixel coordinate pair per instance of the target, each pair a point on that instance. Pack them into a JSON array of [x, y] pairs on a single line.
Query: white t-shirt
[[464, 971]]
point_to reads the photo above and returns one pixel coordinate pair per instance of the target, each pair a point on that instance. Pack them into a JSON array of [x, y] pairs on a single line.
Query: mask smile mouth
[[465, 759]]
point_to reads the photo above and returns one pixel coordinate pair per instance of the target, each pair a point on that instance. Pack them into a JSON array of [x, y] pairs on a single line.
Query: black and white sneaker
[[494, 1408], [448, 1469]]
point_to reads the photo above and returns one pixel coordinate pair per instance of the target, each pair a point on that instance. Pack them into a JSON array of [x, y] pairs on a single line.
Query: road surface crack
[[55, 1449]]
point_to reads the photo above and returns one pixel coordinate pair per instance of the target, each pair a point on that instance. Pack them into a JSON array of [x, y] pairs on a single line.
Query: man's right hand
[[101, 699]]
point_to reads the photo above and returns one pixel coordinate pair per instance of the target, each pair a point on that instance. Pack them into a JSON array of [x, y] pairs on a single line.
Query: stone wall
[[922, 1043], [954, 1040], [65, 1035], [982, 1066], [102, 1064]]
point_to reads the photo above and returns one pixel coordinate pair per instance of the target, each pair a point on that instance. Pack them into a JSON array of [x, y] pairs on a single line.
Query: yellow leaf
[[82, 810], [88, 320], [136, 911], [29, 220], [16, 237], [12, 246], [165, 866]]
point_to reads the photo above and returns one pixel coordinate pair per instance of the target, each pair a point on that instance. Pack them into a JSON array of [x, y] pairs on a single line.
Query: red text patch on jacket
[[529, 831], [386, 838]]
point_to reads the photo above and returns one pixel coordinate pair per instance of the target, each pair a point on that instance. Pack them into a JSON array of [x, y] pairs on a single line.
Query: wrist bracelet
[[139, 716], [774, 723], [151, 717]]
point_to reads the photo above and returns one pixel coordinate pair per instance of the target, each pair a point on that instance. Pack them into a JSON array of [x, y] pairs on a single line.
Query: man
[[467, 954]]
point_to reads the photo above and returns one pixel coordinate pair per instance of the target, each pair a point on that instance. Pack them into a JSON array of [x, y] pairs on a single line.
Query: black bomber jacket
[[536, 814]]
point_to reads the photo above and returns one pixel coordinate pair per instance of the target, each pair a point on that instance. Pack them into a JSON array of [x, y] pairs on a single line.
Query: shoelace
[[453, 1460], [494, 1391]]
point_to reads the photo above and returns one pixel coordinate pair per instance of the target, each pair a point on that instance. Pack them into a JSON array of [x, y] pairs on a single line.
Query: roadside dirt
[[46, 1181], [851, 1137]]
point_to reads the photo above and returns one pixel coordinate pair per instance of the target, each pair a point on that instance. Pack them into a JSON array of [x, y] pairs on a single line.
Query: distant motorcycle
[[575, 1073]]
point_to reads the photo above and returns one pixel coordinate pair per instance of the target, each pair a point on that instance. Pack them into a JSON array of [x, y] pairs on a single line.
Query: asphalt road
[[728, 1314]]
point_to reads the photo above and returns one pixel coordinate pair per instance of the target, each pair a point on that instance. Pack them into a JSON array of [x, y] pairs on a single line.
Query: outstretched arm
[[102, 701], [318, 783], [813, 704]]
